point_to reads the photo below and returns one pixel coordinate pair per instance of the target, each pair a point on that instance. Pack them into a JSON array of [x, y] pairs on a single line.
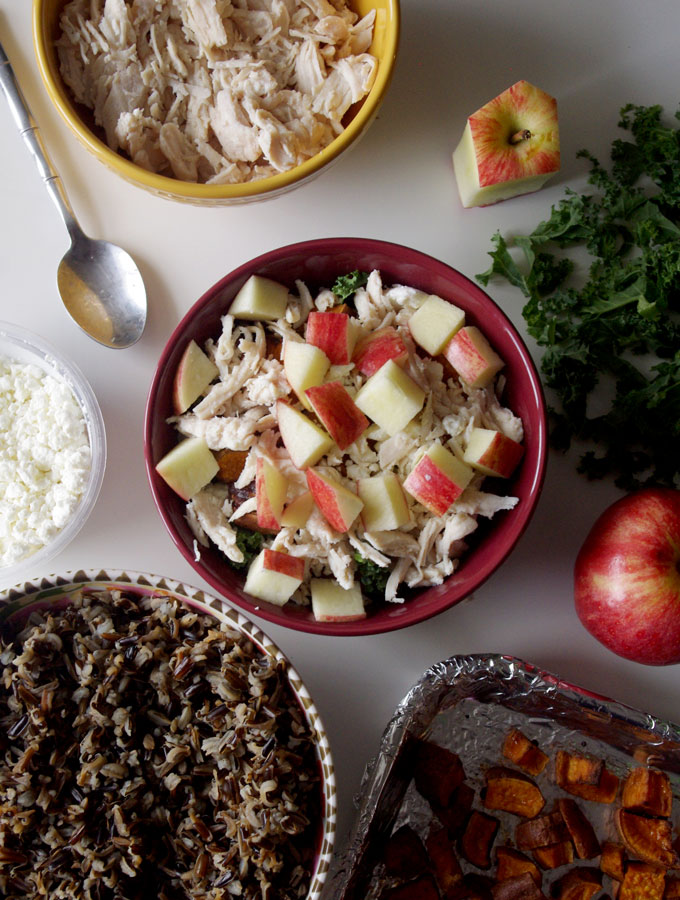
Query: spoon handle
[[33, 140]]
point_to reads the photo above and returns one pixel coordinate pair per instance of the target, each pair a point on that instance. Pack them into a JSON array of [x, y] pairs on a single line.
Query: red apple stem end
[[523, 135]]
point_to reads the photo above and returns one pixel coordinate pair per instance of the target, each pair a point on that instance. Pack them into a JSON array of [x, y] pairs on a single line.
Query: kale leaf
[[347, 285], [610, 334], [249, 543], [373, 578]]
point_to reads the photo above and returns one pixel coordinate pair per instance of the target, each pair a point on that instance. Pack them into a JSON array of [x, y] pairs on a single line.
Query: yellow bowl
[[385, 41]]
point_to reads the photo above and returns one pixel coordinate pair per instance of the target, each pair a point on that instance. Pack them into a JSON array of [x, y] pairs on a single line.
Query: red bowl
[[318, 263]]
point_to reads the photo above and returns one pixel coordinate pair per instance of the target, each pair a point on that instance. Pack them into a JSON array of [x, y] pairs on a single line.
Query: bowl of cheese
[[52, 452]]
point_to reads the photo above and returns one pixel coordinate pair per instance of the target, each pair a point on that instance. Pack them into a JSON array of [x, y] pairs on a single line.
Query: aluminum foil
[[468, 704]]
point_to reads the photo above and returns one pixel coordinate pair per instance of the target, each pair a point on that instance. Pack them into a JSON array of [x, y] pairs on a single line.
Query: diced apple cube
[[332, 603], [274, 576], [297, 512], [305, 366], [434, 323], [334, 333], [336, 503], [188, 467], [385, 506], [390, 398], [305, 442], [437, 479], [338, 412], [194, 373], [376, 348], [492, 452], [271, 487], [473, 357], [260, 299]]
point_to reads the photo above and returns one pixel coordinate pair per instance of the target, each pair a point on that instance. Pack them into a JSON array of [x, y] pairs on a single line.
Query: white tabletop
[[396, 185]]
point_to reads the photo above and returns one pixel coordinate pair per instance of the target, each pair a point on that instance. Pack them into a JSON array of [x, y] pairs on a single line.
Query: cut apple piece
[[297, 512], [373, 351], [437, 479], [510, 146], [390, 398], [434, 323], [333, 332], [274, 576], [385, 506], [260, 300], [194, 373], [473, 357], [332, 603], [271, 487], [305, 442], [188, 467], [336, 503], [492, 452], [338, 412], [305, 366]]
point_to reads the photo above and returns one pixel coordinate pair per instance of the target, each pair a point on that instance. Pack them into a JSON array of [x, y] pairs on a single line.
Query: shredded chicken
[[214, 91]]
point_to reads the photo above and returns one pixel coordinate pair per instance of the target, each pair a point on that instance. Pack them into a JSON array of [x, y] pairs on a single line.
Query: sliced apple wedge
[[390, 398], [473, 357], [274, 576], [271, 487], [343, 420], [188, 467], [260, 300], [373, 351], [332, 603], [298, 511], [385, 505], [305, 442], [336, 503], [194, 373], [305, 366], [437, 479], [492, 452], [333, 332], [434, 323]]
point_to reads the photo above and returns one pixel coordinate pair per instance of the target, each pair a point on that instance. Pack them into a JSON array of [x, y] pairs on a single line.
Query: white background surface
[[397, 185]]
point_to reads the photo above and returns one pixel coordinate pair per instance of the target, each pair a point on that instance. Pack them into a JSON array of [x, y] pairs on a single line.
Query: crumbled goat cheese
[[44, 458]]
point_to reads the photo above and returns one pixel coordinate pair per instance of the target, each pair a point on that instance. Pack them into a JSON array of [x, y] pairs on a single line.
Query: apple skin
[[627, 577], [338, 413], [375, 349]]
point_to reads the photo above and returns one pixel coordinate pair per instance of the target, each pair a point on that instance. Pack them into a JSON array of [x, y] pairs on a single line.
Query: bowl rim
[[412, 612], [49, 587], [54, 362], [190, 191]]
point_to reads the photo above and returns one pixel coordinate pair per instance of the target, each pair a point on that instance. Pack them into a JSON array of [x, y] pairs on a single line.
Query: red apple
[[375, 349], [271, 486], [437, 479], [336, 503], [473, 357], [627, 577], [343, 420], [334, 333]]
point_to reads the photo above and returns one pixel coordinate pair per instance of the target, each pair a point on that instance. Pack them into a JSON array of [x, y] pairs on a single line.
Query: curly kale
[[373, 578], [347, 285], [249, 543], [612, 344]]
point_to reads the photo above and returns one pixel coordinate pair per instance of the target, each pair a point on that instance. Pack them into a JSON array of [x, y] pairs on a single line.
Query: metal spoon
[[100, 284]]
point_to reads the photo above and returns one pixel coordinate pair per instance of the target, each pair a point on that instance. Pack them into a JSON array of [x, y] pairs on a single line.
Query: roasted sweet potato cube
[[445, 865], [642, 882], [650, 840], [555, 855], [512, 792], [524, 753], [580, 830], [422, 888], [520, 887], [612, 860], [580, 883], [437, 772], [404, 854], [583, 768], [478, 839], [672, 889], [231, 463], [274, 347], [510, 863], [647, 791], [577, 769], [454, 816], [543, 831]]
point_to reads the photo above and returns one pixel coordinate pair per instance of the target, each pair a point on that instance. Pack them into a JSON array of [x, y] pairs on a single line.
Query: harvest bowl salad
[[340, 446]]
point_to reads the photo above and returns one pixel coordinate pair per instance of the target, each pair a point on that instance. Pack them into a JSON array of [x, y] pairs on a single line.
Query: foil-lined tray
[[468, 704]]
